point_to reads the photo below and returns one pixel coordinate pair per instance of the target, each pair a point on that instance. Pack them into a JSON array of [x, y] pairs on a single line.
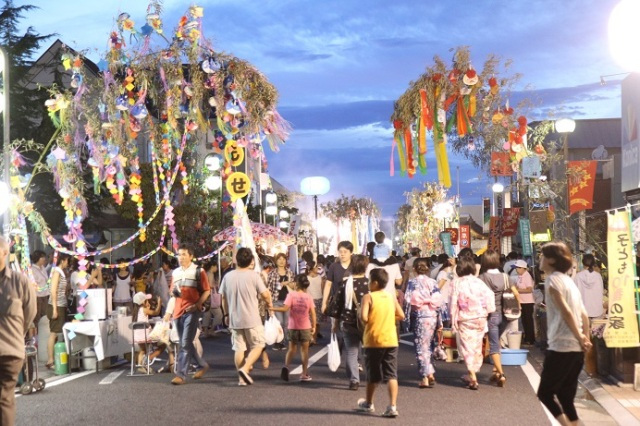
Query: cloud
[[472, 180]]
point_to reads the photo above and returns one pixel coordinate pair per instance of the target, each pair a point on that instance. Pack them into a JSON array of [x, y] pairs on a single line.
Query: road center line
[[317, 356], [111, 377], [406, 342]]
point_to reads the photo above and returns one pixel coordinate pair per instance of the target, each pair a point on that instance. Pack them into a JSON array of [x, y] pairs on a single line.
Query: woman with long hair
[[567, 334], [422, 304], [471, 303], [280, 282]]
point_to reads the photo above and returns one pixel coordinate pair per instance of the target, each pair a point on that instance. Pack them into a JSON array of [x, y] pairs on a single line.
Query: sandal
[[424, 383], [49, 365], [473, 385], [501, 380], [494, 376], [432, 381]]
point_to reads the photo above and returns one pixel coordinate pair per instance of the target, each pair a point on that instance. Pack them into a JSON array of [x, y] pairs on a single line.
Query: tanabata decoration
[[456, 103], [163, 93]]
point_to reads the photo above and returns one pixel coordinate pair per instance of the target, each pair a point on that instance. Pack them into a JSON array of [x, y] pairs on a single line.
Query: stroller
[[31, 360]]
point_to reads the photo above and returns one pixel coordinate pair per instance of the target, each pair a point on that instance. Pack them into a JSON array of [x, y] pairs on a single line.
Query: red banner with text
[[510, 218]]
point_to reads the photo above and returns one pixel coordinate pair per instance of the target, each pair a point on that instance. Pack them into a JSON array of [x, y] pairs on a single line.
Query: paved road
[[217, 398]]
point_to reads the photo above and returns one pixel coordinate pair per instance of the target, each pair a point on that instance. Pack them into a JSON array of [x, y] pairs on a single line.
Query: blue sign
[[445, 237], [525, 237]]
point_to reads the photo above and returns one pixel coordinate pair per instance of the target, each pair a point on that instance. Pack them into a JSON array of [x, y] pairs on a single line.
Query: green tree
[[20, 48]]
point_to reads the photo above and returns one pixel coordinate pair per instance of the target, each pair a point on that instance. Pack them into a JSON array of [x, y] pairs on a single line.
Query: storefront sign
[[486, 214], [510, 218], [233, 153], [622, 329], [525, 237], [531, 167], [238, 185], [494, 234], [630, 132], [465, 236], [454, 235]]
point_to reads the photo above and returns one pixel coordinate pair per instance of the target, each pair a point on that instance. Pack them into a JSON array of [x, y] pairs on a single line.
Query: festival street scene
[[300, 212]]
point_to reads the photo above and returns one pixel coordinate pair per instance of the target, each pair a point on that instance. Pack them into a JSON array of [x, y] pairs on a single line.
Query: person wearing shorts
[[240, 289], [380, 310], [300, 306], [57, 307]]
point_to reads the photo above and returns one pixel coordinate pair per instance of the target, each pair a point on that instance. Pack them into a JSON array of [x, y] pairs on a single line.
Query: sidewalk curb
[[615, 409]]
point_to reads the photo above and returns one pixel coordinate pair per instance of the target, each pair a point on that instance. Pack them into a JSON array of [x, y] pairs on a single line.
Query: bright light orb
[[213, 183], [624, 33], [283, 224], [315, 185], [565, 125], [284, 214], [271, 210], [4, 197], [497, 187], [271, 198]]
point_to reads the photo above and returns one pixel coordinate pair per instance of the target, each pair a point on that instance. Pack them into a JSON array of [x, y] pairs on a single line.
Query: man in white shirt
[[395, 276]]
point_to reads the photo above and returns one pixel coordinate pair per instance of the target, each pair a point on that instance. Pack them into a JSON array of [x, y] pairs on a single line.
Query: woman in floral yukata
[[423, 302], [471, 303]]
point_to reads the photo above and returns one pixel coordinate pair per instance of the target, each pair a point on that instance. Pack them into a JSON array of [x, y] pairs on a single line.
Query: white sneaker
[[391, 411], [364, 407]]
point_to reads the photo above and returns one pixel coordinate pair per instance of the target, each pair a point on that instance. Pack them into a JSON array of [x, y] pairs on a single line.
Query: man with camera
[[190, 288]]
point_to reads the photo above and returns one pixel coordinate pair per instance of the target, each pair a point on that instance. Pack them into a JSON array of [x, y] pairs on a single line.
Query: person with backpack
[[190, 288], [499, 283]]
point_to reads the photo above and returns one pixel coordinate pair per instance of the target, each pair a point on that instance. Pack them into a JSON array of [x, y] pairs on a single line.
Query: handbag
[[216, 299], [334, 307], [358, 310], [510, 306]]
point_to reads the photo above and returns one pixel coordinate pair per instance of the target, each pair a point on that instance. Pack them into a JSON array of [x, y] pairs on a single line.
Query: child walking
[[380, 310], [301, 326]]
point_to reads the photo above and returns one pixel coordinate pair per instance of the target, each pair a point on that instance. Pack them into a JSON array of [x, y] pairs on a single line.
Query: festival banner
[[501, 164], [494, 234], [486, 214], [454, 235], [465, 236], [582, 179], [622, 329], [510, 218], [445, 237], [525, 237]]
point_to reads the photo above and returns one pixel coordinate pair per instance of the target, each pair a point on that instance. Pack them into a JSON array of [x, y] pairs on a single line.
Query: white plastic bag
[[333, 356], [273, 332]]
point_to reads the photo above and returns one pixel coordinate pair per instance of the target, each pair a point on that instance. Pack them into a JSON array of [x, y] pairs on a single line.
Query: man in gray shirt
[[17, 310], [240, 290]]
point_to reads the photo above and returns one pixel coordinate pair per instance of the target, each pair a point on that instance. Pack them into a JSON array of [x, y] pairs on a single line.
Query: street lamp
[[4, 105], [564, 126], [314, 186], [213, 162]]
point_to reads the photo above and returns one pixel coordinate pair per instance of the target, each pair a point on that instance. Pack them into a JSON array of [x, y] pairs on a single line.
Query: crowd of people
[[369, 300]]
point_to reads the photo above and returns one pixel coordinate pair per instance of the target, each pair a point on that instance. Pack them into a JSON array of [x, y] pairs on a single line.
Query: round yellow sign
[[238, 185], [233, 153]]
